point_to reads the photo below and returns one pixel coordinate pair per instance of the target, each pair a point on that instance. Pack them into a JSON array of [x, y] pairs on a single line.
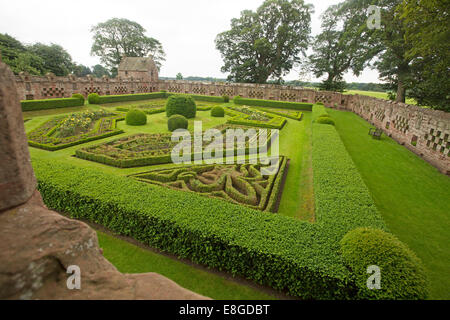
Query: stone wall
[[423, 131]]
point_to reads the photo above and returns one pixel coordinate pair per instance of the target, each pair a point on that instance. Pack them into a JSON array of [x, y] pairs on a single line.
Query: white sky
[[186, 28]]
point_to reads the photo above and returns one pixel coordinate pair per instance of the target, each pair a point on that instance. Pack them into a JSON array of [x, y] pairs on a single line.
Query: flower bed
[[243, 115]]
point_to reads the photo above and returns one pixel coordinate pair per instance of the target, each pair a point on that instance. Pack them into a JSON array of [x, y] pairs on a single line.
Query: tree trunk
[[400, 92]]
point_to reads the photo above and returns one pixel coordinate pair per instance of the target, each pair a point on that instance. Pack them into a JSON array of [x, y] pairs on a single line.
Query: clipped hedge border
[[298, 117], [44, 104], [274, 104], [132, 97], [239, 118]]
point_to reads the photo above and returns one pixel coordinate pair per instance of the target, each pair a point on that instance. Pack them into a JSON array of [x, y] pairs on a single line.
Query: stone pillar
[[17, 181]]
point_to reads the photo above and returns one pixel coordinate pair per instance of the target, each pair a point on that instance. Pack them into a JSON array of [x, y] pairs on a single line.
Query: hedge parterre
[[273, 104], [66, 131], [251, 117], [149, 149], [243, 184]]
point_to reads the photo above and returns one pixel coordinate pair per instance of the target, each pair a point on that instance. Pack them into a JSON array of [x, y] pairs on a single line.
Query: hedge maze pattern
[[243, 184], [149, 149]]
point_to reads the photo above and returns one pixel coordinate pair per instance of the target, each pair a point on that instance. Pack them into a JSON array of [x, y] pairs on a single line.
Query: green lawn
[[129, 258], [412, 196]]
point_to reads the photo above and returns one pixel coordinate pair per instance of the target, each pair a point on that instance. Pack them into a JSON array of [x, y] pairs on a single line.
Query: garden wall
[[423, 131]]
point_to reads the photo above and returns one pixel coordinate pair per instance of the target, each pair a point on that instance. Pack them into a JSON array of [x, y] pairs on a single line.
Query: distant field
[[379, 95]]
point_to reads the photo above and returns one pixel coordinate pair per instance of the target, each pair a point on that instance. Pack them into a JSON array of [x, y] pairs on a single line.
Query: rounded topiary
[[136, 117], [402, 273], [320, 103], [217, 112], [177, 121], [226, 98], [181, 104], [78, 96], [94, 98], [325, 120]]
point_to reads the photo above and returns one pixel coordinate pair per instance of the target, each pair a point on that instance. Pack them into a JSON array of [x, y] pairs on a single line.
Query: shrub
[[217, 112], [320, 103], [136, 117], [177, 121], [273, 103], [132, 97], [402, 274], [34, 105], [94, 98], [325, 120], [181, 104], [226, 98], [78, 96]]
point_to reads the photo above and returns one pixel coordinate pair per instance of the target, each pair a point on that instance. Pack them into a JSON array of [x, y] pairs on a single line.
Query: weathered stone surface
[[38, 245], [17, 181]]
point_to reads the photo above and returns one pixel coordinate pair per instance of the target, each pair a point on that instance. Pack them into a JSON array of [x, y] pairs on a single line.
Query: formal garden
[[338, 201]]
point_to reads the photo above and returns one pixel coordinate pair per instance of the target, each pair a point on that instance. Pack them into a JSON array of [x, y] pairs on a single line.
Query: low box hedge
[[132, 97], [273, 104], [34, 105]]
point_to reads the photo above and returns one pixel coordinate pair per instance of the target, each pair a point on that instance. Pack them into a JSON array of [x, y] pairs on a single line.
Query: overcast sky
[[186, 28]]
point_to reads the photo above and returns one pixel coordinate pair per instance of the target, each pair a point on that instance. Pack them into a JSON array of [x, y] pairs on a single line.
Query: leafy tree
[[179, 76], [81, 70], [338, 48], [99, 71], [56, 59], [116, 38], [428, 32], [266, 43]]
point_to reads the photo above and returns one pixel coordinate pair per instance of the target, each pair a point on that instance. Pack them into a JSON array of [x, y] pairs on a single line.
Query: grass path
[[412, 196], [129, 258]]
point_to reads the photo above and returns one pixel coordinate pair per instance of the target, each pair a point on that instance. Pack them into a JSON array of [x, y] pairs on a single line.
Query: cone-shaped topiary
[[181, 104], [401, 273], [136, 117], [93, 98], [217, 112], [177, 121]]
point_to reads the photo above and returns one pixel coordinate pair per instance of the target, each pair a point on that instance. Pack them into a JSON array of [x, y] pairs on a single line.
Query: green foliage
[[402, 273], [198, 97], [136, 117], [273, 104], [80, 70], [179, 76], [131, 97], [177, 121], [78, 96], [56, 59], [217, 111], [266, 43], [325, 120], [181, 104], [33, 105], [226, 98], [94, 98], [132, 42], [99, 71], [252, 117]]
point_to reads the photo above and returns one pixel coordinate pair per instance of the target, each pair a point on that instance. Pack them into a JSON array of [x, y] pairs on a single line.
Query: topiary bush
[[217, 112], [325, 120], [226, 98], [78, 96], [177, 121], [94, 98], [181, 104], [136, 118], [402, 273]]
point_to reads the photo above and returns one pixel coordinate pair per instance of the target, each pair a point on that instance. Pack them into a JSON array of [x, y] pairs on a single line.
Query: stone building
[[138, 68]]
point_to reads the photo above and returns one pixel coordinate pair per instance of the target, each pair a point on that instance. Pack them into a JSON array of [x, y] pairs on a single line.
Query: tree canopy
[[266, 43], [116, 38]]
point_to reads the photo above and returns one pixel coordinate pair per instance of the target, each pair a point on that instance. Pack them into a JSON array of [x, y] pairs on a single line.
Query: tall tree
[[116, 38], [338, 48], [428, 32], [266, 43], [179, 76], [99, 71], [81, 70], [56, 59]]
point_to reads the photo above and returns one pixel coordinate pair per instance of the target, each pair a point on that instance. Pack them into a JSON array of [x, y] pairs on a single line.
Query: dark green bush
[[136, 118], [78, 96], [217, 111], [132, 97], [34, 105], [177, 121], [402, 273], [94, 98], [273, 104], [325, 120], [181, 104], [320, 103], [226, 98]]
